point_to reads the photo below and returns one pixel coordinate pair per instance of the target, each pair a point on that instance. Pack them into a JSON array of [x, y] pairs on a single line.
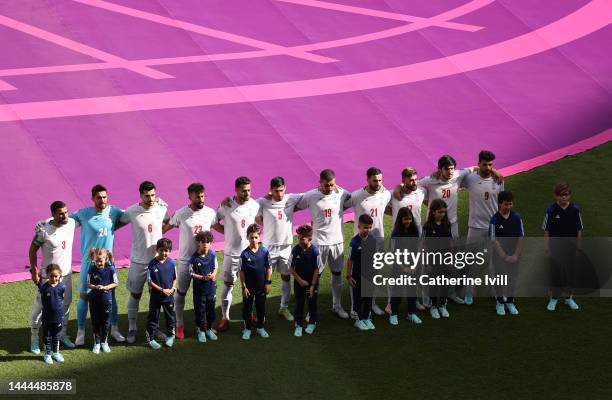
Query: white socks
[[226, 301], [285, 294], [179, 308], [336, 286], [132, 309]]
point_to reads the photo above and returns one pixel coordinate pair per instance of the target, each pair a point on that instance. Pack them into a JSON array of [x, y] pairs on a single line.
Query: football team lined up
[[251, 263]]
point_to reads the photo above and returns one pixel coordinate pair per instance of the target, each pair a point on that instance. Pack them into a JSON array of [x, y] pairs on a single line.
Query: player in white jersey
[[444, 184], [55, 238], [276, 215], [147, 218], [410, 195], [236, 219], [483, 187], [191, 220], [371, 200], [326, 205]]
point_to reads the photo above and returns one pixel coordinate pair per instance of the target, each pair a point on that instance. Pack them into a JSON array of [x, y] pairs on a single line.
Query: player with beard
[[97, 230], [147, 218], [191, 220], [236, 219], [371, 200], [276, 215], [483, 186], [55, 238], [326, 204]]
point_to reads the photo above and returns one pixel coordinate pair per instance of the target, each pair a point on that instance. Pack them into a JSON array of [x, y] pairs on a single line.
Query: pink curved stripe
[[81, 48], [6, 86], [422, 23], [578, 147], [231, 37], [523, 166], [590, 18], [380, 14]]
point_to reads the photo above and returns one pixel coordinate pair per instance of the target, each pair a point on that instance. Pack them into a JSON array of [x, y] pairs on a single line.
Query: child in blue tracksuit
[[52, 298], [203, 271], [255, 274], [162, 280], [562, 234], [359, 270], [102, 280], [305, 265]]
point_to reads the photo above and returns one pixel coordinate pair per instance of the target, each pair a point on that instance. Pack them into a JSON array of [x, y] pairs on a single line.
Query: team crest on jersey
[[501, 227], [557, 216]]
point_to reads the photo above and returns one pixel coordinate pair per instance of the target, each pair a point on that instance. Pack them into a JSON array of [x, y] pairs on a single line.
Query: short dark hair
[[445, 161], [486, 155], [365, 219], [56, 205], [195, 187], [241, 180], [408, 172], [327, 175], [204, 236], [146, 186], [97, 189], [164, 244], [253, 228], [53, 267], [304, 230], [505, 195], [277, 181], [562, 187], [373, 171]]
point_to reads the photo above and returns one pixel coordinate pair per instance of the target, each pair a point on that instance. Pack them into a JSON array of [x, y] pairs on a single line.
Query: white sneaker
[[354, 315], [457, 300], [117, 335], [80, 338], [377, 310], [340, 312]]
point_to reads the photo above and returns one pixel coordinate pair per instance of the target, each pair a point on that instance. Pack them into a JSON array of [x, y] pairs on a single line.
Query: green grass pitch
[[474, 354]]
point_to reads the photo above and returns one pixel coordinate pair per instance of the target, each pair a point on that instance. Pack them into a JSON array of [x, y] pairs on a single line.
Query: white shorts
[[231, 268], [137, 276], [333, 255], [279, 258], [183, 277]]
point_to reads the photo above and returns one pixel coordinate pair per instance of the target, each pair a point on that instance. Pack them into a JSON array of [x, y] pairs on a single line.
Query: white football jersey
[[326, 213], [278, 219], [412, 200], [373, 205], [236, 219], [190, 223], [483, 199], [56, 245], [146, 230], [445, 190]]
